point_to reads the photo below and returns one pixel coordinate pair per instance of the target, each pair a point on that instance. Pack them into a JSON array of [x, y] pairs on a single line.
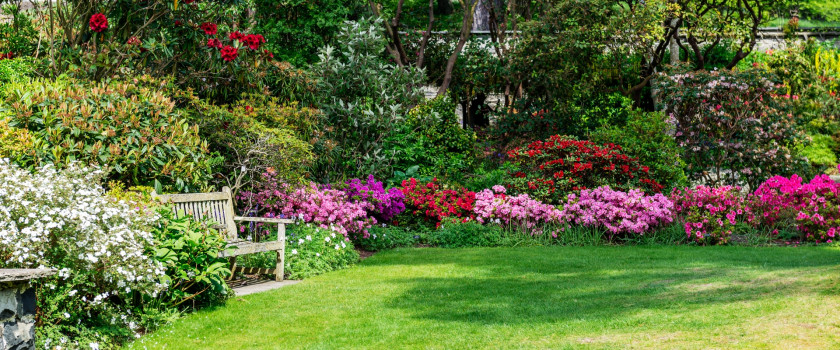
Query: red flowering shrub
[[214, 43], [434, 203], [236, 36], [253, 41], [549, 170], [229, 53], [98, 23], [209, 28]]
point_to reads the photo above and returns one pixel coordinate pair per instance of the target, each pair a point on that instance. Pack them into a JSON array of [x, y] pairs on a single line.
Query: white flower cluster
[[54, 215]]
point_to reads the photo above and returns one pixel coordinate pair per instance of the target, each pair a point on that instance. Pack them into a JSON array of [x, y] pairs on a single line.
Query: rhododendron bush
[[780, 198], [431, 202], [549, 170], [382, 204], [618, 211]]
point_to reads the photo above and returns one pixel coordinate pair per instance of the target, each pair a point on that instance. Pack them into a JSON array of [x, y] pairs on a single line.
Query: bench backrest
[[217, 206]]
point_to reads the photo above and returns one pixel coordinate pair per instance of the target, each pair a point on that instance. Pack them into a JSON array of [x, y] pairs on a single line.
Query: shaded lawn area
[[676, 297]]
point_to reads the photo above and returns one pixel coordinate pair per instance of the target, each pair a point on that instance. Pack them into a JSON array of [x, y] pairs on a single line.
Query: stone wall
[[17, 308]]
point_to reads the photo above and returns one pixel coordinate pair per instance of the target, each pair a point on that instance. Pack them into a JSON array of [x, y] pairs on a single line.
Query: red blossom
[[214, 43], [209, 28], [229, 53], [236, 36], [98, 23], [253, 41]]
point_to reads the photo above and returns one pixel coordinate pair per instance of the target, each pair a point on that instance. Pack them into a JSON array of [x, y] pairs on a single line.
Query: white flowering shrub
[[101, 247], [312, 250]]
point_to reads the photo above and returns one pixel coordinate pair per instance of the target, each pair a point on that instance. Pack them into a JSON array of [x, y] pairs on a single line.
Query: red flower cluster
[[435, 203], [549, 170], [229, 53], [236, 36], [6, 56], [98, 23], [214, 43], [253, 41], [209, 28]]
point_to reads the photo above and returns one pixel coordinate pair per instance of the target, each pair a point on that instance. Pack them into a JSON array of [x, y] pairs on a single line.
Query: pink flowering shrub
[[324, 207], [780, 198], [709, 214], [495, 206], [618, 211], [384, 204], [819, 218]]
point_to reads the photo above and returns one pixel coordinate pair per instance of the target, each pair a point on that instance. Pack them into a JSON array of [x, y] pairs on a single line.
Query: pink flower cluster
[[709, 214], [325, 207], [618, 211], [779, 198], [495, 206]]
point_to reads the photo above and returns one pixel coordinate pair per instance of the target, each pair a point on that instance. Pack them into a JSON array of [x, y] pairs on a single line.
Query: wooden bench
[[218, 207]]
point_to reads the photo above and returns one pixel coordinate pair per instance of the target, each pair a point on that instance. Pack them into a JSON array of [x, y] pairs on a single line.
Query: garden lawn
[[680, 297]]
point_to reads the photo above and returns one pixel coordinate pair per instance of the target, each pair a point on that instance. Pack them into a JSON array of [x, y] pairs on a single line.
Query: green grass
[[664, 297]]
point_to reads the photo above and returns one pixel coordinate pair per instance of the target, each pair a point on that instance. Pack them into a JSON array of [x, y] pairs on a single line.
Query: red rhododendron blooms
[[209, 28], [229, 53], [236, 36], [270, 55], [134, 41], [214, 43], [254, 41], [98, 23]]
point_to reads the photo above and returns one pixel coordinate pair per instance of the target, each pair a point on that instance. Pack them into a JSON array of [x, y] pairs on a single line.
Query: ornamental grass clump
[[710, 214], [101, 248], [618, 211], [520, 211]]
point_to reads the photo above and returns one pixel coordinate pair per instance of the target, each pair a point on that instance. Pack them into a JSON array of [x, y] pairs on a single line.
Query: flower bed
[[618, 211]]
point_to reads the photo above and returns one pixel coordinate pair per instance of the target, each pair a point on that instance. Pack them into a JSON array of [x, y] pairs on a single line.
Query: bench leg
[[281, 254], [232, 268]]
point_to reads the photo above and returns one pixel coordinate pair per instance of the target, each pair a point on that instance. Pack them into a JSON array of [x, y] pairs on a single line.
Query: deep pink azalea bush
[[819, 218], [710, 214], [495, 206], [781, 198], [322, 206], [384, 204], [618, 211]]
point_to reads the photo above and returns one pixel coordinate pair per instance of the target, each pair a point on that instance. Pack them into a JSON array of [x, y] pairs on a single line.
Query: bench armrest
[[266, 220]]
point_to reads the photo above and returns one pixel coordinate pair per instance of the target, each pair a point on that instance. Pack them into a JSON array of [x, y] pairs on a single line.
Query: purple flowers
[[380, 203], [618, 211]]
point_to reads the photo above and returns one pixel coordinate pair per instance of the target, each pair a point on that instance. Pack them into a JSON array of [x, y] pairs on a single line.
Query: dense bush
[[710, 214], [383, 205], [16, 69], [731, 126], [100, 247], [549, 170], [362, 97], [431, 138], [431, 202], [388, 237], [620, 212], [646, 136], [520, 212], [458, 234], [320, 205], [314, 250], [135, 132]]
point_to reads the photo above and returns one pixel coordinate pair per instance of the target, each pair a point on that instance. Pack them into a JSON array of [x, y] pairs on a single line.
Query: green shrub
[[456, 234], [387, 237], [820, 152], [312, 250], [134, 131], [16, 69], [431, 138], [646, 137]]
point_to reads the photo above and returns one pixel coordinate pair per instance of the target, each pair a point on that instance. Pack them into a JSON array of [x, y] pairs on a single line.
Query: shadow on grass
[[592, 284]]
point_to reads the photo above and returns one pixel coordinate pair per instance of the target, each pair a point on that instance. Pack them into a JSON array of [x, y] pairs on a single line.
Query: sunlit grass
[[540, 297]]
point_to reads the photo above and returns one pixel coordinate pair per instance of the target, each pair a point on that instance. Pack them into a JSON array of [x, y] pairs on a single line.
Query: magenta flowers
[[380, 203], [495, 206], [709, 214]]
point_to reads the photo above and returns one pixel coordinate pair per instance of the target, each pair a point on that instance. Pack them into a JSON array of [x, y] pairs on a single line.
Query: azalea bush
[[381, 204], [549, 170], [520, 212], [619, 212], [710, 214], [429, 203], [101, 248], [819, 218], [778, 199], [313, 250], [320, 205]]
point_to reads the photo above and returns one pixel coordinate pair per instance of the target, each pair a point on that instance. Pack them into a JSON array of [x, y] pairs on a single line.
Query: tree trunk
[[466, 28]]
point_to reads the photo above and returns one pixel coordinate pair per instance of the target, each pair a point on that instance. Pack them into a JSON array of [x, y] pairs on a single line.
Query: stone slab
[[16, 275]]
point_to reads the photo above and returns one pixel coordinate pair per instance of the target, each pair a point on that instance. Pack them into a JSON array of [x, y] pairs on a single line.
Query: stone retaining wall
[[17, 308]]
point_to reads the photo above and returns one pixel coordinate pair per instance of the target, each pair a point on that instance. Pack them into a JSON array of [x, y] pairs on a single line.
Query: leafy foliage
[[313, 250]]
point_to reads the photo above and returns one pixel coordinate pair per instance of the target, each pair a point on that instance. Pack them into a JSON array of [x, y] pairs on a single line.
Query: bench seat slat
[[242, 248]]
